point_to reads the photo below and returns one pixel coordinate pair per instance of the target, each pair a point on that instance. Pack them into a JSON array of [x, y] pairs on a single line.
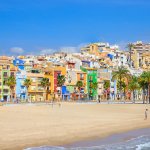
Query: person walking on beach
[[146, 111]]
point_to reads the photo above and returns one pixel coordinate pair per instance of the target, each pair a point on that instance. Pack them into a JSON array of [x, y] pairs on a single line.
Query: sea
[[133, 140]]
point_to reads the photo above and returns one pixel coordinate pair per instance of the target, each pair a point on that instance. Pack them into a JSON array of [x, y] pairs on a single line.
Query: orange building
[[82, 76], [52, 73]]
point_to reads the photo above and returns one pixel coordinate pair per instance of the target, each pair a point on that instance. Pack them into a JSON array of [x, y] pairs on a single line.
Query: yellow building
[[7, 69], [36, 91], [146, 61]]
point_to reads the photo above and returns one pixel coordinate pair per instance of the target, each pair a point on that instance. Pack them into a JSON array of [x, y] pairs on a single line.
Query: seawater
[[139, 143]]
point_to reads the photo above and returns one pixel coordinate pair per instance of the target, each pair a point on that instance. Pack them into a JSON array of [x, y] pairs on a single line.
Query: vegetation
[[144, 82], [123, 86], [11, 82], [120, 75], [94, 85], [106, 84], [27, 83], [79, 84], [133, 86], [60, 80], [45, 83]]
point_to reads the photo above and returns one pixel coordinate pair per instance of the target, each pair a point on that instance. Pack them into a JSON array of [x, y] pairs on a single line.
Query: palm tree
[[130, 46], [27, 83], [145, 78], [60, 81], [106, 84], [94, 86], [133, 86], [144, 87], [123, 86], [79, 84], [120, 75], [45, 83], [106, 87], [11, 82]]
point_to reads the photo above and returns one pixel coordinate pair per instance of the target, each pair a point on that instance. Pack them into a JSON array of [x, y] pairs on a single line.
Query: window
[[22, 87], [33, 87], [8, 67], [12, 74], [5, 90], [81, 76], [5, 74]]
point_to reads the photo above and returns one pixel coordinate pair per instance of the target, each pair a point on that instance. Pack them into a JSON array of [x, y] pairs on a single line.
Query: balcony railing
[[23, 91], [5, 76], [82, 78]]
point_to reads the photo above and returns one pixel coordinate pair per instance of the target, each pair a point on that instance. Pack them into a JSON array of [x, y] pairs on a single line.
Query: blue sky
[[35, 26]]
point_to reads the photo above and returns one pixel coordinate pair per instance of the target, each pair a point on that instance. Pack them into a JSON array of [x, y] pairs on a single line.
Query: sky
[[45, 26]]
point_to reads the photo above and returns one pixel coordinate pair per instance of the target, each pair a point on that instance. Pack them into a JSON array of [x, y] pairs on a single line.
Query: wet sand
[[23, 126], [112, 139]]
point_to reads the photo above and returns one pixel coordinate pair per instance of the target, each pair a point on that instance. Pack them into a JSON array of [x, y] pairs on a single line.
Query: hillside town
[[88, 75]]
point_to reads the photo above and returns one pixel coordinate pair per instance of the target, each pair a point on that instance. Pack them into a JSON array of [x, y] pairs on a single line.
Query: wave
[[139, 143]]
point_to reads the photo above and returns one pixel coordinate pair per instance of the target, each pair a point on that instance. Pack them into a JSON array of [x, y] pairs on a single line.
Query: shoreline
[[116, 138], [111, 139], [33, 126]]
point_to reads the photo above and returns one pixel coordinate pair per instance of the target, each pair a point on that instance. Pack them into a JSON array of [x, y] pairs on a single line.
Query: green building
[[91, 78], [4, 89]]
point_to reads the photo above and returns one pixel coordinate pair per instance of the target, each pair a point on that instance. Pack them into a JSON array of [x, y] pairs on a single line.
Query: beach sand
[[23, 126]]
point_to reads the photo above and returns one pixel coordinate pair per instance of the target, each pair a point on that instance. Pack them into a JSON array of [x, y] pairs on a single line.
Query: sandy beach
[[23, 126]]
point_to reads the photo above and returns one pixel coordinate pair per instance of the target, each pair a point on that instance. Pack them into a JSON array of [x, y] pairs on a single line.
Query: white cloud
[[72, 49], [122, 45], [17, 50], [47, 51], [68, 49]]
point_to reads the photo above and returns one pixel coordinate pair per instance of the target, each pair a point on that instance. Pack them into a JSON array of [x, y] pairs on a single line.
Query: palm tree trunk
[[27, 95], [10, 95], [120, 95], [143, 96], [147, 96], [149, 92], [120, 90], [133, 96], [45, 94]]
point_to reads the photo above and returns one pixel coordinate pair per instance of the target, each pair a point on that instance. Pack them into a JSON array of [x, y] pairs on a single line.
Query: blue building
[[19, 63], [65, 93], [20, 88], [20, 77]]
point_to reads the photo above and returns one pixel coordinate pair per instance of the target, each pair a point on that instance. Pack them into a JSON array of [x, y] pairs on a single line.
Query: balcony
[[82, 78], [5, 76], [5, 91], [23, 91], [40, 89]]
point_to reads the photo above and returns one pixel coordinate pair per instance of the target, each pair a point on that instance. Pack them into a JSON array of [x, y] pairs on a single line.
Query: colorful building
[[21, 90], [52, 73], [6, 70], [35, 91], [91, 78]]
